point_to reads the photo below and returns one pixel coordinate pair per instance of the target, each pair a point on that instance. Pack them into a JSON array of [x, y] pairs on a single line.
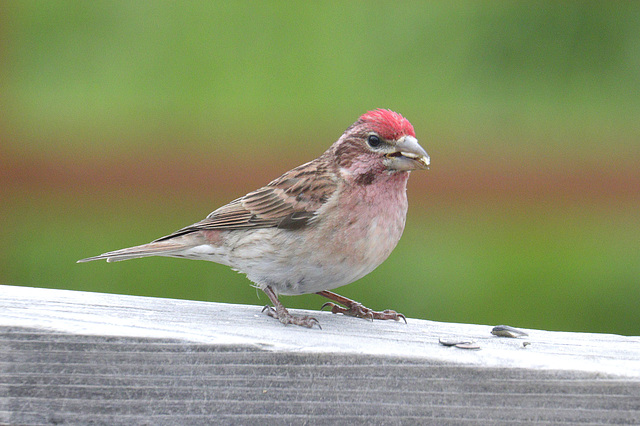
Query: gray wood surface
[[70, 357]]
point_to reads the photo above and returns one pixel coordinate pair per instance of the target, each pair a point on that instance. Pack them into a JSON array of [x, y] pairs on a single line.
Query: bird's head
[[380, 141]]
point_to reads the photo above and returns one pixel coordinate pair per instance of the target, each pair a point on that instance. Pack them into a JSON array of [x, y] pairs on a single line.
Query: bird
[[319, 226]]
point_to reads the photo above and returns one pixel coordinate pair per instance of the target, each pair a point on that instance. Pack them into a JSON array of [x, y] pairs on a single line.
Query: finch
[[322, 225]]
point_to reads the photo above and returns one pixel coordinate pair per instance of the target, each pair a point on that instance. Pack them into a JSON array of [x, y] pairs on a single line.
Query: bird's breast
[[363, 224]]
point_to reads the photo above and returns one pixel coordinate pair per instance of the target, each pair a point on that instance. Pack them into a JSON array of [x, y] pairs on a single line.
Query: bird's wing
[[289, 202]]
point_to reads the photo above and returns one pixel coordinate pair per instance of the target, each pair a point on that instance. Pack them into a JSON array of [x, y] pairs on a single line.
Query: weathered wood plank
[[77, 357]]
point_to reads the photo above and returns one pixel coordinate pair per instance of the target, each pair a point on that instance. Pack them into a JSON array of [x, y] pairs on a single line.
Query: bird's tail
[[159, 248]]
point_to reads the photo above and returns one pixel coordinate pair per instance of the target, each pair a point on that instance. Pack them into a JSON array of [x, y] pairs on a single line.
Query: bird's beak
[[408, 155]]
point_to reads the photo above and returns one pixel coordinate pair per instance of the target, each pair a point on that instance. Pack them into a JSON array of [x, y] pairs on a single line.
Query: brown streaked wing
[[288, 202]]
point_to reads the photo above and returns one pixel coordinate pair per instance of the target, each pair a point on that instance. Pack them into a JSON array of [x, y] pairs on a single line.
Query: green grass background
[[485, 83]]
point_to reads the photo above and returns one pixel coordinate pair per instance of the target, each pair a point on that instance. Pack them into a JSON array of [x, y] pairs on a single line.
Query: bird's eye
[[374, 141]]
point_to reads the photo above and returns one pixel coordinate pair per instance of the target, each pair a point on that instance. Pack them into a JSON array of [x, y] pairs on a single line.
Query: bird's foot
[[355, 309], [358, 310], [283, 315]]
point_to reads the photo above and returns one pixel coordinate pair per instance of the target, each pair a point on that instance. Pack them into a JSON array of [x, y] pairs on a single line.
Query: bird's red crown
[[388, 124]]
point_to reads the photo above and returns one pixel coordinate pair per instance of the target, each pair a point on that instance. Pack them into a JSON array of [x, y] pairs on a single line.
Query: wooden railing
[[74, 357]]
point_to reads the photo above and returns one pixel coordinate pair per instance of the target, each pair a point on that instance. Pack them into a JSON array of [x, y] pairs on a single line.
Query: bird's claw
[[360, 311], [286, 318], [270, 311]]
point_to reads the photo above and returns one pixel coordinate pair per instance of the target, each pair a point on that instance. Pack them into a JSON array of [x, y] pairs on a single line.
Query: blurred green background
[[124, 121]]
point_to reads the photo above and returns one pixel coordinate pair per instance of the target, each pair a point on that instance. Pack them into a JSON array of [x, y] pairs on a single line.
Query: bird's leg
[[355, 309], [282, 314]]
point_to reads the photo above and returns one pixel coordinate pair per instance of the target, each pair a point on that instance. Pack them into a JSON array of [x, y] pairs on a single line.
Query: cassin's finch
[[322, 225]]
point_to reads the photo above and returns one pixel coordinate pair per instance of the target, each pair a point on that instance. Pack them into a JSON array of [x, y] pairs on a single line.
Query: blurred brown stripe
[[195, 173]]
